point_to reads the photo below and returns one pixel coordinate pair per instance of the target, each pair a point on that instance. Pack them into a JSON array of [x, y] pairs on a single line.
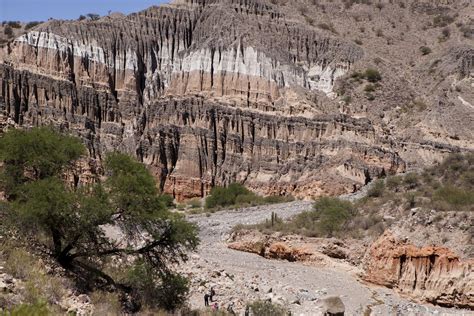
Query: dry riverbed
[[241, 277]]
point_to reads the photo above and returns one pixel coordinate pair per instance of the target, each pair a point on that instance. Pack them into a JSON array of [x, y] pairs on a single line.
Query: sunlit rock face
[[431, 273], [205, 93]]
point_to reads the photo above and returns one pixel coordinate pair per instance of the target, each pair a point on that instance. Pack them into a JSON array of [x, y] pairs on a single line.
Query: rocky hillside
[[289, 97], [9, 30], [411, 233]]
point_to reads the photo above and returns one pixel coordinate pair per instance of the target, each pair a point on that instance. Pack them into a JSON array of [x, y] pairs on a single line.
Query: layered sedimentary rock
[[206, 93], [434, 274], [201, 106]]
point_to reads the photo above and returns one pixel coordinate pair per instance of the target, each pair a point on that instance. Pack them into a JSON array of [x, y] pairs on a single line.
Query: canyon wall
[[204, 92]]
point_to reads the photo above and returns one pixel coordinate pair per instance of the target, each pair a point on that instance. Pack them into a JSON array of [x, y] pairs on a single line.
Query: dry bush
[[105, 303], [38, 286], [19, 263]]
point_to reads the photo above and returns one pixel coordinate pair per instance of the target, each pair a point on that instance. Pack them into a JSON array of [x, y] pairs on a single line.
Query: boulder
[[333, 306]]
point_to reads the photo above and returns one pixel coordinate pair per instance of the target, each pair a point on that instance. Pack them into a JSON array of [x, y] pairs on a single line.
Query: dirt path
[[241, 277]]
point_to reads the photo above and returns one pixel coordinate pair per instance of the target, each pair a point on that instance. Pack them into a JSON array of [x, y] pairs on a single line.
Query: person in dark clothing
[[206, 299], [230, 308], [212, 294], [247, 311]]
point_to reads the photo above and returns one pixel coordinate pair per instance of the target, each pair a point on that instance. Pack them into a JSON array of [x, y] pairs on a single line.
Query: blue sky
[[41, 10]]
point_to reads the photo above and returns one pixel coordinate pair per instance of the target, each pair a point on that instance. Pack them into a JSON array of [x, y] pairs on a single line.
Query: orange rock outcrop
[[432, 274]]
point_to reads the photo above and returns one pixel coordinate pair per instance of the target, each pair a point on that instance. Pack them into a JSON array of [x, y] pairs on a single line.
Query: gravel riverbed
[[241, 277]]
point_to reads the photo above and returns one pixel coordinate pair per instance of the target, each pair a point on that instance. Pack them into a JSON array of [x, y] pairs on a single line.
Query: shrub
[[169, 294], [167, 200], [20, 264], [309, 20], [456, 163], [237, 195], [275, 199], [8, 31], [328, 217], [305, 223], [425, 50], [332, 214], [248, 199], [442, 20], [106, 303], [38, 285], [468, 179], [93, 16], [377, 189], [31, 25], [454, 196], [467, 31], [264, 308], [327, 27], [14, 24], [411, 180], [372, 75], [194, 203], [393, 182], [347, 99], [370, 97], [420, 105], [37, 309], [446, 32], [225, 196], [357, 75], [369, 88], [411, 199]]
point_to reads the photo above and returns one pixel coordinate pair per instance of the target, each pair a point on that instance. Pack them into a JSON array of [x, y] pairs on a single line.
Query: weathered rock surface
[[318, 251], [430, 273], [211, 92]]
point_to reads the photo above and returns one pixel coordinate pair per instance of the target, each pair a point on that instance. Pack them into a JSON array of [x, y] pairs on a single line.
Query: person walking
[[206, 299], [247, 311], [230, 308]]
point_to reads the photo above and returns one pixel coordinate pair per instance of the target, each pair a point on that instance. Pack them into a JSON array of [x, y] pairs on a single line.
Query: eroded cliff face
[[433, 274], [206, 93]]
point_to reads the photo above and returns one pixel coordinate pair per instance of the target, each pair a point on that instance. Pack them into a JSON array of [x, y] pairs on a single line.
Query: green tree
[[93, 16], [122, 219], [171, 292], [37, 154]]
